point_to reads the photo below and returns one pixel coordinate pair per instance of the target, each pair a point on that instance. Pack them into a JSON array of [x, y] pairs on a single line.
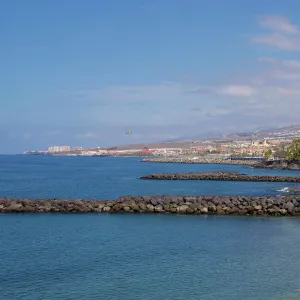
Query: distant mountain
[[261, 133], [292, 131], [197, 137], [283, 132]]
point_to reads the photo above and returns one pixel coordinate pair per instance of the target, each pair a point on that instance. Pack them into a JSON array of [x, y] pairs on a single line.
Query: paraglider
[[128, 132]]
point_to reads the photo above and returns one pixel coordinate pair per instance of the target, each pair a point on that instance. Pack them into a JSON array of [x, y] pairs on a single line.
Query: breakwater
[[220, 176], [188, 160], [195, 205], [280, 165]]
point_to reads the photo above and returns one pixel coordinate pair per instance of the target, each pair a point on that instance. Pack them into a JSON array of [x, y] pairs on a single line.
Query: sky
[[83, 72]]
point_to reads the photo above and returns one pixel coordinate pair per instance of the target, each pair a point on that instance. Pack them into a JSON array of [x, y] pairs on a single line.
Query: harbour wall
[[220, 176], [279, 165], [184, 160], [194, 205]]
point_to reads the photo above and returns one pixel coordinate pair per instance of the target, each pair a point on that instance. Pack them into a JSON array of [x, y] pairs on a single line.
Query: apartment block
[[59, 149]]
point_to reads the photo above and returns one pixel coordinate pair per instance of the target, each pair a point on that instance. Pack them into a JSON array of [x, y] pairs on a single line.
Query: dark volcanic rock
[[191, 160], [281, 165], [219, 205], [221, 176]]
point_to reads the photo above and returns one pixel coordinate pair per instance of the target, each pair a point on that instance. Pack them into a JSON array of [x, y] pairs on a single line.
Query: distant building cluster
[[244, 148], [55, 149], [255, 145]]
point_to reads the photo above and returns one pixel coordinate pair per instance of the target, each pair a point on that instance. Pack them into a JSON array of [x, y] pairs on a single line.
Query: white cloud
[[284, 35], [173, 104], [279, 23], [289, 75], [282, 73], [238, 91], [291, 92], [189, 105], [291, 63], [279, 41]]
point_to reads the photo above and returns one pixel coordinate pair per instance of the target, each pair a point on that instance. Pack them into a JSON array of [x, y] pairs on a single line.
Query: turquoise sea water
[[64, 257], [109, 178]]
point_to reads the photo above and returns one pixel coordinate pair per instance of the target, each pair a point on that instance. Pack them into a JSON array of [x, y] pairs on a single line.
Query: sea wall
[[195, 205], [280, 165], [220, 176], [187, 160]]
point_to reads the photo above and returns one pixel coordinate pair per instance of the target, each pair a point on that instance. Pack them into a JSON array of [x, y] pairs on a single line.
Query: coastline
[[255, 163], [193, 205], [176, 160]]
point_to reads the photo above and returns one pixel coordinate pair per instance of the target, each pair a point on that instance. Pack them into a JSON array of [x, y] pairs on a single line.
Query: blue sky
[[81, 73]]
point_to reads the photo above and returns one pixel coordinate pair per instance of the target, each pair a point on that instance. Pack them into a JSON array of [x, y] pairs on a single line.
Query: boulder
[[258, 207], [142, 205], [220, 211], [204, 210], [213, 208], [158, 208], [182, 208], [167, 207], [14, 207], [150, 207], [106, 208], [233, 205], [190, 210], [289, 206]]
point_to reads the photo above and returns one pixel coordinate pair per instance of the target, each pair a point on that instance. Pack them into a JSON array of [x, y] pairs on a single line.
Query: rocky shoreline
[[220, 176], [193, 205], [280, 165], [178, 160]]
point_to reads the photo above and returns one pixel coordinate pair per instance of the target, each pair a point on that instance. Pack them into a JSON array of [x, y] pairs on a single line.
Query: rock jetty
[[188, 160], [194, 205], [220, 176], [280, 165]]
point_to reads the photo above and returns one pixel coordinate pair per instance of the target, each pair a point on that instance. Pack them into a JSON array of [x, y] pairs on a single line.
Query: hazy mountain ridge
[[279, 132], [292, 131]]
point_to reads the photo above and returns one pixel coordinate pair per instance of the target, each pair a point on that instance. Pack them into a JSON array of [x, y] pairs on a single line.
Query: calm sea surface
[[146, 257]]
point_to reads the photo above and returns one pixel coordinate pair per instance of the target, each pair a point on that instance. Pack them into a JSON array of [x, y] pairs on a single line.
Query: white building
[[59, 149]]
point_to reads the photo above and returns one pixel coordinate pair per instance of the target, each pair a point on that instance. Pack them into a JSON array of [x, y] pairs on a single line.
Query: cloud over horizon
[[171, 110], [158, 82], [284, 34]]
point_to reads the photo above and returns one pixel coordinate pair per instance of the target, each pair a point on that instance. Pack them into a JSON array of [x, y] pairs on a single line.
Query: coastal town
[[226, 147]]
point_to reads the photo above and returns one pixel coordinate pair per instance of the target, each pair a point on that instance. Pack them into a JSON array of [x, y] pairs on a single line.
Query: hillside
[[292, 131], [284, 132]]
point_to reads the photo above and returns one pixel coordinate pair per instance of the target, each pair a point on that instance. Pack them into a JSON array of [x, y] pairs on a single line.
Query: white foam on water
[[285, 189]]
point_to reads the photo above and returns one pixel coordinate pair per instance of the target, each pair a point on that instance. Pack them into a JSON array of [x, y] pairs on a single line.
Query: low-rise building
[[54, 149]]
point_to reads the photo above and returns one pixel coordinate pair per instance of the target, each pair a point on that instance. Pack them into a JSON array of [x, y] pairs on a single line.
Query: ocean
[[97, 256], [111, 177]]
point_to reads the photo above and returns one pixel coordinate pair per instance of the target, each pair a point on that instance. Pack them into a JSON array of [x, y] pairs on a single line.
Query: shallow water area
[[148, 257], [98, 256]]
